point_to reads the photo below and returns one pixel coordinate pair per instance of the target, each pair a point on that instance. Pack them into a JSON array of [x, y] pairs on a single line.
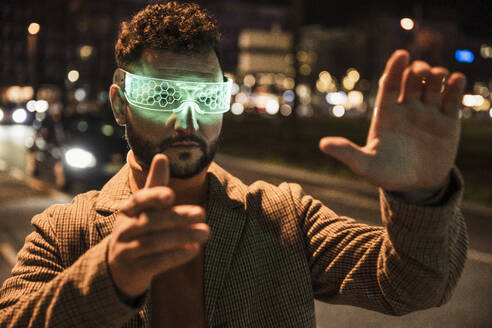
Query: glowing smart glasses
[[173, 96]]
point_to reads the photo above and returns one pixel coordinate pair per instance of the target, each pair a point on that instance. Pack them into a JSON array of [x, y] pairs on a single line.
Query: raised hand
[[415, 129], [151, 235]]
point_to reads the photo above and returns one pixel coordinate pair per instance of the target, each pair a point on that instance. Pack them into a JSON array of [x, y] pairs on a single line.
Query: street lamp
[[33, 28], [73, 76], [407, 24], [32, 51]]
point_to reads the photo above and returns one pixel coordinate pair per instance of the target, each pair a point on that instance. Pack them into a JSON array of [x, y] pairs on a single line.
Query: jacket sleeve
[[412, 263], [43, 293]]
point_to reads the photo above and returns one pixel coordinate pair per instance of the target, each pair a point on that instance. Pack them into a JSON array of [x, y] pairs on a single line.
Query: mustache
[[194, 138]]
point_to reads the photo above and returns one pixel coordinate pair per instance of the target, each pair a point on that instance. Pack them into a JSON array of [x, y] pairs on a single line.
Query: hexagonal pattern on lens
[[165, 95]]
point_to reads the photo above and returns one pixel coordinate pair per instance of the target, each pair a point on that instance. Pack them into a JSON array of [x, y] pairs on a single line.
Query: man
[[216, 252]]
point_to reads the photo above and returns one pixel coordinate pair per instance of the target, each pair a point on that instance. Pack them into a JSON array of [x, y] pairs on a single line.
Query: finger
[[158, 172], [146, 199], [345, 151], [433, 86], [390, 82], [453, 94], [165, 240], [177, 217], [167, 260], [413, 88]]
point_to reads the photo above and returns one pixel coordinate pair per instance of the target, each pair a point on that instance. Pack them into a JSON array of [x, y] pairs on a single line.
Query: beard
[[182, 164]]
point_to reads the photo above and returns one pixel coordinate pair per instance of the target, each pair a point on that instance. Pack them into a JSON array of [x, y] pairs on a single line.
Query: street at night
[[469, 306], [377, 114]]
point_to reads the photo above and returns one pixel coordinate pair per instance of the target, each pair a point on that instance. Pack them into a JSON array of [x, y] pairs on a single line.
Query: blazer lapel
[[108, 202], [227, 219]]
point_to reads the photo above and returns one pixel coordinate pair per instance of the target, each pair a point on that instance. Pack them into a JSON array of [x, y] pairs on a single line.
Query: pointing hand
[[152, 235]]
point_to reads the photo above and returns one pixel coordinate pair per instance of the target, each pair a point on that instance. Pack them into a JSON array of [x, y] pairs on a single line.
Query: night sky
[[474, 17]]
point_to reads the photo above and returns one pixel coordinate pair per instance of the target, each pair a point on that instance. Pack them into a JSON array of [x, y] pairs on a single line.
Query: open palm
[[414, 133]]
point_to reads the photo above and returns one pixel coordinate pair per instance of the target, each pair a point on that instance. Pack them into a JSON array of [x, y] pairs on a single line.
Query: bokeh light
[[407, 23], [19, 115], [286, 110], [73, 76], [249, 80], [336, 98], [86, 51], [237, 108], [272, 106], [33, 28], [338, 111]]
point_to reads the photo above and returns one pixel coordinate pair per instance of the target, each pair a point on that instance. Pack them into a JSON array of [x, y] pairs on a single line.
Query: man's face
[[189, 139]]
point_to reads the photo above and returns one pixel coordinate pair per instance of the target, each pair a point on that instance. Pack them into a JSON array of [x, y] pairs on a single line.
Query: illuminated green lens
[[173, 96]]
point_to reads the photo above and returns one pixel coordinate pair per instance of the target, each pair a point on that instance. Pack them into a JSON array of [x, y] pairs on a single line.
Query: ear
[[118, 104]]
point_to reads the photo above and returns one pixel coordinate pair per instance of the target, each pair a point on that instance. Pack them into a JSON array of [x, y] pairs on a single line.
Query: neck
[[187, 191]]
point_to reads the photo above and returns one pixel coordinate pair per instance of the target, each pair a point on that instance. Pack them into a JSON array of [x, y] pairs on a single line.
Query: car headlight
[[80, 158], [19, 115]]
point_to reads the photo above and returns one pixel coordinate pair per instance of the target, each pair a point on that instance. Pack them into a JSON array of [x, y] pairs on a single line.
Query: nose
[[186, 122]]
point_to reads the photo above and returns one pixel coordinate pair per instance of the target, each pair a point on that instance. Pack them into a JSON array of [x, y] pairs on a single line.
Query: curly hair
[[180, 27]]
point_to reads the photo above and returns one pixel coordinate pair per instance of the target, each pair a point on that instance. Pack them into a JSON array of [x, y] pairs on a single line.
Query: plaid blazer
[[271, 251]]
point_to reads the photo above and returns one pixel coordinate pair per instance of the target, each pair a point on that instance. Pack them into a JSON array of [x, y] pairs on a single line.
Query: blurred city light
[[289, 83], [1, 114], [31, 105], [481, 89], [73, 75], [302, 90], [490, 113], [80, 94], [348, 83], [40, 116], [41, 106], [324, 75], [472, 100], [302, 56], [288, 96], [33, 28], [305, 69], [407, 23], [484, 106], [107, 130], [285, 110], [82, 126], [272, 106], [464, 56], [19, 115], [249, 80], [353, 74], [234, 89], [241, 98], [338, 111], [336, 98], [237, 108], [305, 111], [80, 158], [17, 94], [85, 51], [355, 98], [486, 51]]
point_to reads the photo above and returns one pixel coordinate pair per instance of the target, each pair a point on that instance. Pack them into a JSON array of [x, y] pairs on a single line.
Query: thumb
[[158, 172], [345, 151]]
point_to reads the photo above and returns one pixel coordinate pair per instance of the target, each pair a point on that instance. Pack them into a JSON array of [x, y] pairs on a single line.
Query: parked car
[[80, 152]]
